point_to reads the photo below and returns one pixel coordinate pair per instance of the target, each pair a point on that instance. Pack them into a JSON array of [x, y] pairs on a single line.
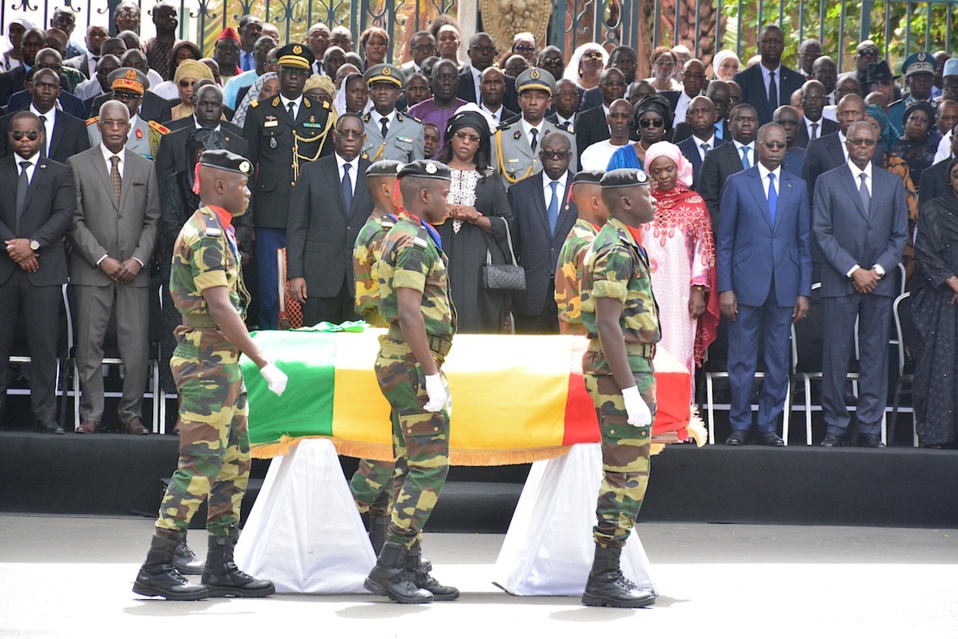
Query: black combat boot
[[390, 579], [184, 559], [607, 586], [158, 577], [224, 579], [418, 575], [378, 526]]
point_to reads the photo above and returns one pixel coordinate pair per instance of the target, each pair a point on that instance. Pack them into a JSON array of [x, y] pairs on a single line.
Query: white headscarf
[[572, 69]]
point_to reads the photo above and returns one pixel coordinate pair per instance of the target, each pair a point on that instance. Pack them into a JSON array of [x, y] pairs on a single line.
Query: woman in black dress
[[935, 312], [475, 230]]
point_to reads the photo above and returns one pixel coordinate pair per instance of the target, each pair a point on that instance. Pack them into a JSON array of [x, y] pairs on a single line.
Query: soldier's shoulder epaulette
[[422, 238], [276, 101], [212, 226], [306, 102], [570, 130], [159, 128], [93, 120], [387, 224], [254, 104], [366, 117], [411, 117]]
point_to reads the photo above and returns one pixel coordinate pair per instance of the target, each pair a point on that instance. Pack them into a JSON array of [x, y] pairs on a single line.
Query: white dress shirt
[[808, 127], [751, 152], [49, 123], [30, 169], [495, 115], [353, 170], [764, 173], [296, 104], [547, 189], [710, 142], [856, 173], [527, 129]]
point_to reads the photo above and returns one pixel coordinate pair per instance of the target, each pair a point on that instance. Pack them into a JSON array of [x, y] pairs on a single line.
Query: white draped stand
[[549, 547], [304, 532]]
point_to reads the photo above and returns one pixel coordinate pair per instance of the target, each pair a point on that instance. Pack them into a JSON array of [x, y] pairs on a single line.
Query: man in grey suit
[[113, 233], [390, 135], [860, 220], [328, 207]]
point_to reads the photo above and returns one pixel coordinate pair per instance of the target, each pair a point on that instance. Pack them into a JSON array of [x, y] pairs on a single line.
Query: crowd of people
[[755, 168]]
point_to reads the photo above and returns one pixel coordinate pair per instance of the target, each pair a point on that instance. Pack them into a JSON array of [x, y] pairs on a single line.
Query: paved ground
[[71, 577]]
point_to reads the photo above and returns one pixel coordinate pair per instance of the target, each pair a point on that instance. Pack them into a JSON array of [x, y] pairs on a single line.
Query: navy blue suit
[[754, 92], [766, 260]]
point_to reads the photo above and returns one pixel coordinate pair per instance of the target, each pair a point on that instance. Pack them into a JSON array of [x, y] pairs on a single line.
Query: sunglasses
[[558, 155], [467, 137], [185, 83], [30, 135], [123, 95], [646, 123], [775, 144], [592, 54], [868, 53], [524, 48], [861, 142]]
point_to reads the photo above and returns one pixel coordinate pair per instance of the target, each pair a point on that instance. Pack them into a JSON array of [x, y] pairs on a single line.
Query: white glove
[[436, 391], [636, 408], [275, 378]]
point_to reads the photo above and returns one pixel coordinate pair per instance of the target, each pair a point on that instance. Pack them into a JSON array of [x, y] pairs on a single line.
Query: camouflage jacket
[[366, 253], [569, 274], [205, 257], [410, 258], [616, 267]]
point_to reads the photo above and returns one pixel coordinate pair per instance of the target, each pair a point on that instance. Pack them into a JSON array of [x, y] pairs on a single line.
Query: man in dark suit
[[283, 135], [591, 125], [934, 179], [542, 223], [66, 134], [107, 263], [564, 102], [86, 63], [482, 53], [328, 207], [813, 125], [769, 84], [15, 79], [700, 119], [789, 119], [34, 217], [48, 59], [830, 151], [207, 111], [728, 159], [492, 88], [763, 256], [422, 44], [860, 220], [720, 93]]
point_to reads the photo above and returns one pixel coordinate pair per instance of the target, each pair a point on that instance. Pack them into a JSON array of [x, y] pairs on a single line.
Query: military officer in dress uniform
[[128, 86], [283, 133], [206, 284], [515, 147], [390, 135], [919, 71]]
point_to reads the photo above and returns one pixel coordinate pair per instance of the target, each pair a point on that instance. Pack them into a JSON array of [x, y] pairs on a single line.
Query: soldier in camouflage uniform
[[372, 483], [621, 319], [415, 300], [206, 284], [587, 195]]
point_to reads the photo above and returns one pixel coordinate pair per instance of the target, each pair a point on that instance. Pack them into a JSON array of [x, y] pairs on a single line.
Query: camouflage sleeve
[[611, 272], [567, 285], [367, 281], [412, 265], [208, 263]]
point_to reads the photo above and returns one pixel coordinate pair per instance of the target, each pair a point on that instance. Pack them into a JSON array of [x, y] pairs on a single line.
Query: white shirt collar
[[285, 101], [497, 113], [33, 159], [376, 116], [856, 171], [107, 153], [739, 145], [767, 72], [809, 123], [49, 115], [547, 181], [763, 172], [340, 161], [199, 126], [699, 141], [527, 128]]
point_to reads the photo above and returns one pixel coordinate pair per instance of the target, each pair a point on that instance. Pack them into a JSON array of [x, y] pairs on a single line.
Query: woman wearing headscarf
[[725, 65], [182, 50], [187, 73], [917, 145], [934, 303], [353, 95], [651, 118], [681, 251], [265, 87], [320, 87], [475, 231], [586, 66]]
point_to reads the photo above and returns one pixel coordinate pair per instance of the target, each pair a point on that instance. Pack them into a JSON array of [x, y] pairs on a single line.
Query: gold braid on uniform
[[297, 138], [379, 153], [502, 165]]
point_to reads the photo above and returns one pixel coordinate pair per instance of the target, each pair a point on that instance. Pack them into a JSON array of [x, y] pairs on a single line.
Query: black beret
[[426, 169], [624, 178], [588, 177], [384, 168], [226, 161]]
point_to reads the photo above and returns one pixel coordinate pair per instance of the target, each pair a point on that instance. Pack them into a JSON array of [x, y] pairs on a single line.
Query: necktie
[[535, 142], [115, 176], [22, 184], [46, 139], [705, 148], [291, 110], [863, 190], [772, 197], [772, 91], [347, 188], [745, 163], [814, 130], [384, 121], [553, 207]]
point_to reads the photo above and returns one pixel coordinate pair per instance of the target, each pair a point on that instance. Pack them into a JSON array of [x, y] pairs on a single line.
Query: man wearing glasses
[[763, 254], [421, 46], [144, 137], [866, 53], [693, 84], [482, 53], [284, 134], [860, 221], [919, 70]]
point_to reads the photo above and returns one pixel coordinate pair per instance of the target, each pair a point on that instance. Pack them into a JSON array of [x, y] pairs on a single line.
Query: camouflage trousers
[[625, 456], [372, 486], [214, 446], [420, 441]]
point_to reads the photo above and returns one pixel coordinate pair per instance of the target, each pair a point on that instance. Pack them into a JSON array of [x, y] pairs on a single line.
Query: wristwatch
[[34, 245]]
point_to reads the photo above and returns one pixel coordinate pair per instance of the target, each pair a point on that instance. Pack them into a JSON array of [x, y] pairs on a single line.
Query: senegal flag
[[515, 399]]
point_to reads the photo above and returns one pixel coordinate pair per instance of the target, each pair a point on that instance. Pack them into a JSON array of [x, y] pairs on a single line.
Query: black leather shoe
[[737, 438], [769, 439], [49, 426], [832, 440], [870, 441]]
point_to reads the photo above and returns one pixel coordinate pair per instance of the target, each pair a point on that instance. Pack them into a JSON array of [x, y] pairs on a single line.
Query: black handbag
[[503, 277]]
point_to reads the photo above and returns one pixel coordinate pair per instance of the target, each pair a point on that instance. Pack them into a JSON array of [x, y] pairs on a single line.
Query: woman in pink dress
[[682, 254]]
